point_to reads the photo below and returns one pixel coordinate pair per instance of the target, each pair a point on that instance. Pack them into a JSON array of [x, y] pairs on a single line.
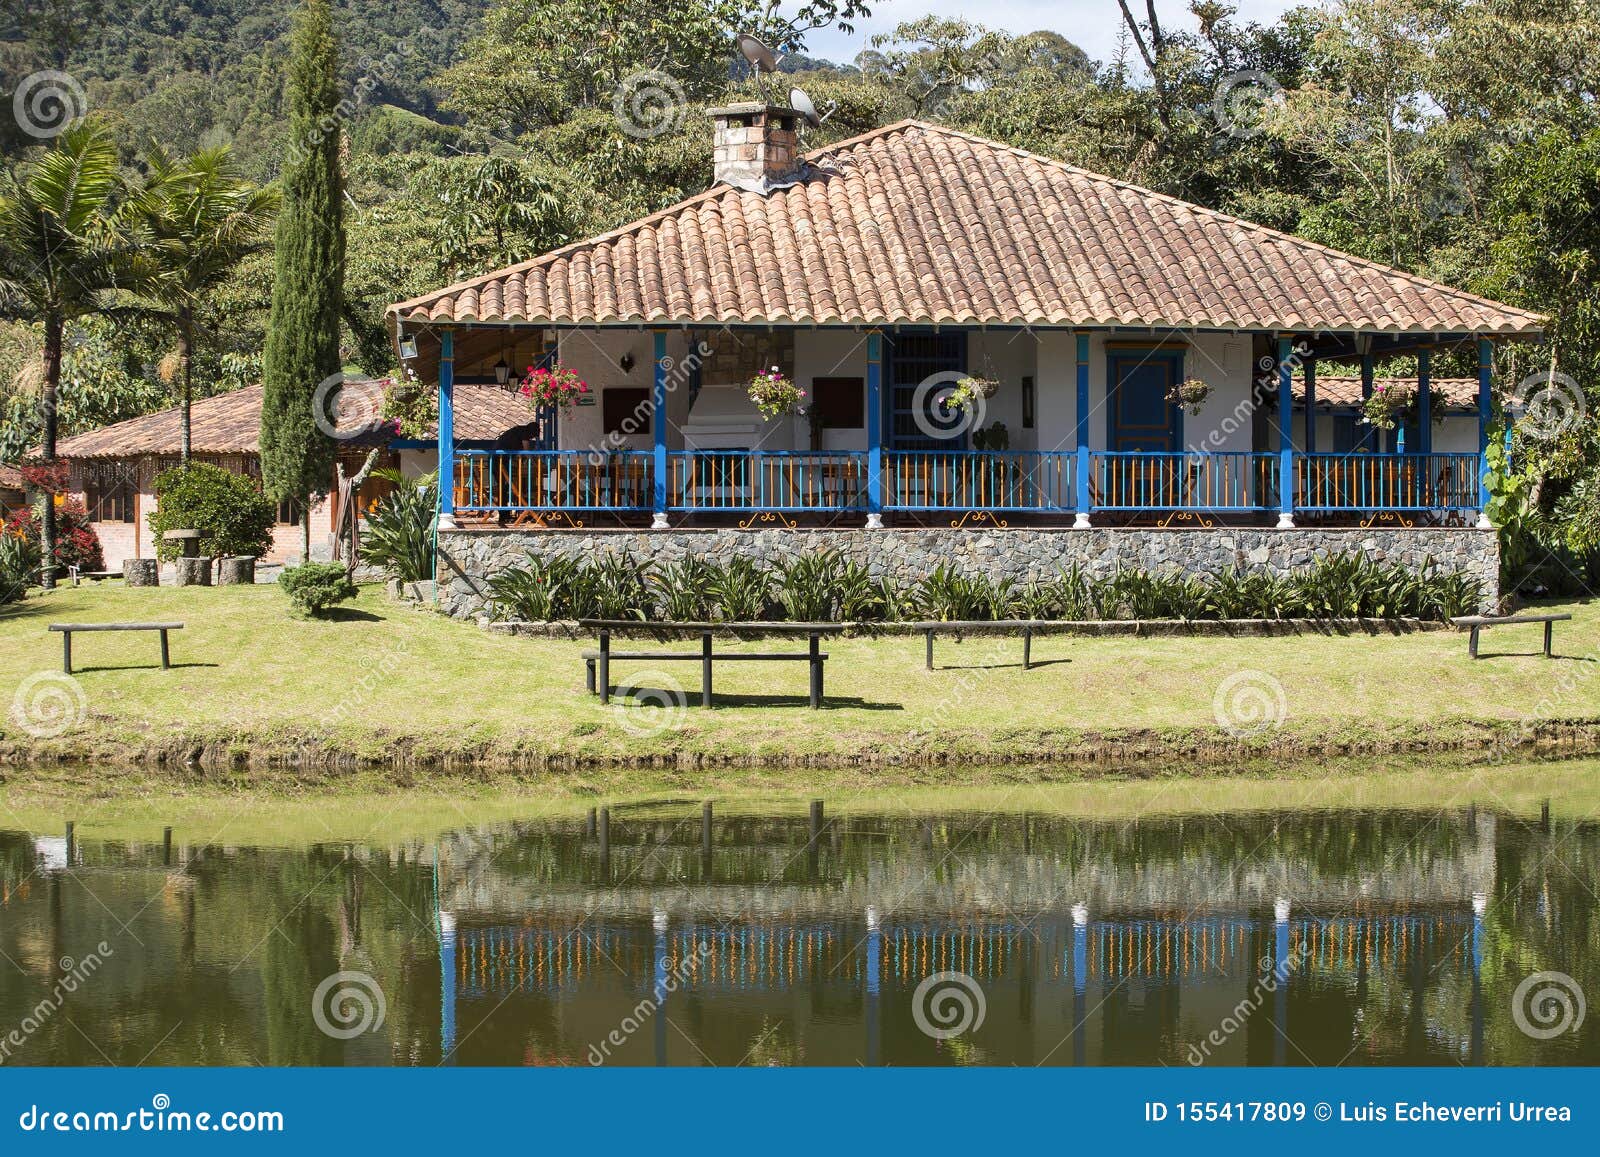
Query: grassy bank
[[387, 685]]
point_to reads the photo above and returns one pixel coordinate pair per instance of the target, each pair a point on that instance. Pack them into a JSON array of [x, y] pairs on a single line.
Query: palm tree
[[200, 218], [62, 257]]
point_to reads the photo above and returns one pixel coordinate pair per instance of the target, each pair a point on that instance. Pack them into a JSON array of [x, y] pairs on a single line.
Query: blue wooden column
[[1285, 436], [1485, 416], [1311, 406], [658, 423], [447, 430], [1081, 491], [1424, 401], [874, 430]]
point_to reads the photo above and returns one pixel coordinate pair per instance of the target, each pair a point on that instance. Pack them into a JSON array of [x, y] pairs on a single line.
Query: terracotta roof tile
[[229, 424], [919, 223]]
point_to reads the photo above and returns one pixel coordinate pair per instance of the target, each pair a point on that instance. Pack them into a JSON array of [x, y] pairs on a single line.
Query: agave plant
[[399, 531]]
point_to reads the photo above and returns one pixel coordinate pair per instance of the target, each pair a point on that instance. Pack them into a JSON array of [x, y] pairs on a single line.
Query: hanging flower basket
[[409, 409], [1388, 402], [775, 395], [1191, 394], [976, 386], [552, 386]]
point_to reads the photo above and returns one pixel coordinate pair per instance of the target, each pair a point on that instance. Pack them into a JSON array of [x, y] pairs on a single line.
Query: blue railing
[[1334, 482], [496, 480], [1038, 480], [745, 480], [832, 482], [1138, 480]]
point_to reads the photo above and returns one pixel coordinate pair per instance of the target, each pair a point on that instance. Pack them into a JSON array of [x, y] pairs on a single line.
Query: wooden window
[[288, 513], [1027, 403], [109, 493], [839, 403], [625, 410]]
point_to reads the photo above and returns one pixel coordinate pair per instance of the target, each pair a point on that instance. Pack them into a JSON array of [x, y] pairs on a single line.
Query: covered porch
[[1080, 431]]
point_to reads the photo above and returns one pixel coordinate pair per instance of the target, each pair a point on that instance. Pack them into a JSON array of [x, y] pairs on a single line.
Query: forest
[[1459, 139]]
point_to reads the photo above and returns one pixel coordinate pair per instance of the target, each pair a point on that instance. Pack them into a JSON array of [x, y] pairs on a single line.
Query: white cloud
[[1092, 25]]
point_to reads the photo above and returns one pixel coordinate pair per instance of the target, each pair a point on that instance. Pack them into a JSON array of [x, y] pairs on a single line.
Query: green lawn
[[386, 678]]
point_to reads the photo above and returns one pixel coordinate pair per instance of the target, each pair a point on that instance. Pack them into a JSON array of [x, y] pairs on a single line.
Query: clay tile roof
[[915, 223], [229, 424], [10, 478], [1343, 390]]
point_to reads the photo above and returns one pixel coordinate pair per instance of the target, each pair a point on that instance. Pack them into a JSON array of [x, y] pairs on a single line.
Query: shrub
[[314, 587], [620, 589], [19, 566], [399, 531], [543, 590], [809, 586], [76, 542], [228, 509]]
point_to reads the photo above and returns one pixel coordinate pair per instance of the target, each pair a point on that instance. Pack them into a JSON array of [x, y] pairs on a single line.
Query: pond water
[[778, 936]]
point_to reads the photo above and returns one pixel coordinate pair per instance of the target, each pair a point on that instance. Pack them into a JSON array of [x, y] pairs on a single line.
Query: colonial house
[[1154, 368], [112, 470]]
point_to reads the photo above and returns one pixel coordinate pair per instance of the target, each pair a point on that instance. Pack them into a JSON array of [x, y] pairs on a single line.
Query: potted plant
[[555, 385], [992, 437], [774, 394], [1191, 394]]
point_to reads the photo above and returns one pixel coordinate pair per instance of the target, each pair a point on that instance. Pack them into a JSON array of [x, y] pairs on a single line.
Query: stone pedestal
[[192, 572], [240, 570], [141, 572]]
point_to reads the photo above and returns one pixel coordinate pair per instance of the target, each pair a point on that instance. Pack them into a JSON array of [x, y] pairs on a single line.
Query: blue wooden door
[[1141, 416], [912, 359]]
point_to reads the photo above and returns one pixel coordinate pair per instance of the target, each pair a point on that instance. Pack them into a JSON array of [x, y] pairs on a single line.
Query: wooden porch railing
[[762, 480], [1041, 480], [495, 480], [1137, 480], [1331, 482]]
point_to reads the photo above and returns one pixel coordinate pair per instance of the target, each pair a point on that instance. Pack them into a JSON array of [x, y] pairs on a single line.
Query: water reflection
[[670, 938]]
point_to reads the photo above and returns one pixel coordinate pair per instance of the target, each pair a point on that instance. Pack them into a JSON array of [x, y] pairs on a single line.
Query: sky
[[1090, 24]]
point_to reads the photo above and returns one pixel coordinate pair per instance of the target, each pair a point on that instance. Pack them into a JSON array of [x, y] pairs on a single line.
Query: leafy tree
[[202, 219], [61, 258], [302, 347]]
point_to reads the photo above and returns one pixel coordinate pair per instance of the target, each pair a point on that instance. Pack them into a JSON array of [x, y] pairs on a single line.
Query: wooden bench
[[960, 627], [67, 630], [1479, 622], [597, 664]]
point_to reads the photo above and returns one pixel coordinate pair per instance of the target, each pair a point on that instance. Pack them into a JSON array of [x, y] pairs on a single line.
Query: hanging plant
[[775, 395], [977, 386], [1389, 400], [1191, 394], [554, 385], [410, 409]]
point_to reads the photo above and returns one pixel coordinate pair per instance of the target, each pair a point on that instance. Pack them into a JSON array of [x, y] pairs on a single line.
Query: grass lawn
[[385, 678]]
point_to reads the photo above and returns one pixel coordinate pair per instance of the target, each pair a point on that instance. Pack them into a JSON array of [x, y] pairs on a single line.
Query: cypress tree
[[302, 347]]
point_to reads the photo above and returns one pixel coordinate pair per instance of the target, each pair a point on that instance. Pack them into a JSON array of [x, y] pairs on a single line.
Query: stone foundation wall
[[468, 557]]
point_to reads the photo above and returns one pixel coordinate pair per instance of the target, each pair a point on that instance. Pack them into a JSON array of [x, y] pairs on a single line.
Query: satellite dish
[[759, 55], [801, 103]]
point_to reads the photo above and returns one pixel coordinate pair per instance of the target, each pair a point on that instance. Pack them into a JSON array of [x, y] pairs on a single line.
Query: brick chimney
[[757, 146]]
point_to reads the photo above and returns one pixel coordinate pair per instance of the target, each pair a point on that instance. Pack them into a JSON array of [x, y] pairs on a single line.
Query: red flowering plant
[[76, 542], [552, 386]]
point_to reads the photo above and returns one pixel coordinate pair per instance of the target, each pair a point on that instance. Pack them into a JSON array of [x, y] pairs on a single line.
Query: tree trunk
[[52, 385], [185, 354], [305, 525]]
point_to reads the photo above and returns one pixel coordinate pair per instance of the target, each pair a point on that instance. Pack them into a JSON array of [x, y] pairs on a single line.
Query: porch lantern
[[502, 371]]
